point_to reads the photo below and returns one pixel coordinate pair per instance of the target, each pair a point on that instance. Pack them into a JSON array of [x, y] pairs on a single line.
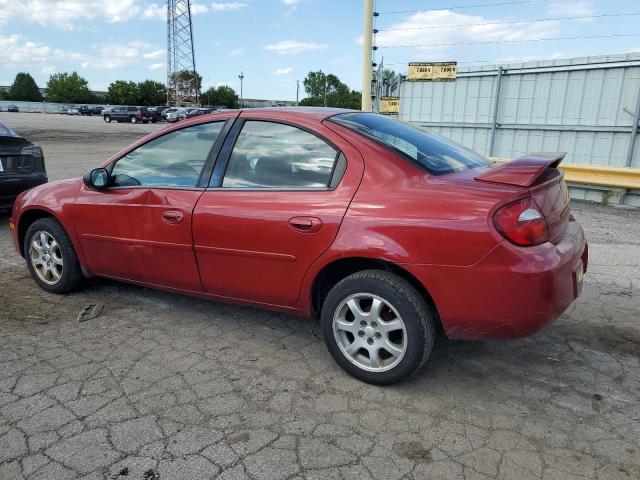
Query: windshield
[[434, 153]]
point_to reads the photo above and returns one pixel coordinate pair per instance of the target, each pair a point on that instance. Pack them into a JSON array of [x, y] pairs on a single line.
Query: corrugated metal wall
[[583, 106]]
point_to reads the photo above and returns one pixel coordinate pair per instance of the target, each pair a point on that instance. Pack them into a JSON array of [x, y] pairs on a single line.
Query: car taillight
[[33, 150], [522, 223]]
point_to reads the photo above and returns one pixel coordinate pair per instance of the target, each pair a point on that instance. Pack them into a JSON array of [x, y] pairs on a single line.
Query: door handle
[[172, 216], [305, 224]]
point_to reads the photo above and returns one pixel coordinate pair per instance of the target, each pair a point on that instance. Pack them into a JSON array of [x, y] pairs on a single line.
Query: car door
[[275, 202], [139, 228]]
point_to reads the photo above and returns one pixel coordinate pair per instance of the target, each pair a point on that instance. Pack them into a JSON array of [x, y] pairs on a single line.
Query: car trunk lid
[[539, 174]]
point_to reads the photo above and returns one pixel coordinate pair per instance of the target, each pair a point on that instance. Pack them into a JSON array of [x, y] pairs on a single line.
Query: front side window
[[435, 154], [274, 155], [172, 160]]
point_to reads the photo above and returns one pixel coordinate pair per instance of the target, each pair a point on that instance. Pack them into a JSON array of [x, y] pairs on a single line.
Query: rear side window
[[172, 160], [432, 152], [274, 155]]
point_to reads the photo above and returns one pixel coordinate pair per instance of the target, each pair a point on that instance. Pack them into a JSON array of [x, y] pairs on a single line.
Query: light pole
[[297, 93], [241, 77]]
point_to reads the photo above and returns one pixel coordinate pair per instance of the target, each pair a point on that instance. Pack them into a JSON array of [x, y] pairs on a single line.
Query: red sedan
[[382, 230]]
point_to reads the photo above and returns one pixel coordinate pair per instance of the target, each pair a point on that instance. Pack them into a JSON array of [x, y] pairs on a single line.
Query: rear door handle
[[305, 224], [172, 216]]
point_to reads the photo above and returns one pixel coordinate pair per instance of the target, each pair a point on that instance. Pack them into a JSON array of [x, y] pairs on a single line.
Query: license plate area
[[16, 164]]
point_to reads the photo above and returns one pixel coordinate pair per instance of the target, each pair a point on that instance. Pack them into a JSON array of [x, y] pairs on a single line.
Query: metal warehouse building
[[584, 106]]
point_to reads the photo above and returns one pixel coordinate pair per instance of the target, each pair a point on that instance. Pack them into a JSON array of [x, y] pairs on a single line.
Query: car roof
[[318, 113]]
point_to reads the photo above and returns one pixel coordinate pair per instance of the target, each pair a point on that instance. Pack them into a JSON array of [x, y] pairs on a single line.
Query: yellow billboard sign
[[432, 71], [389, 105]]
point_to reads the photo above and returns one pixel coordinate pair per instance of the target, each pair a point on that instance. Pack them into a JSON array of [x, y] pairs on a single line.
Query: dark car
[[84, 110], [21, 166], [131, 114], [96, 110], [13, 108]]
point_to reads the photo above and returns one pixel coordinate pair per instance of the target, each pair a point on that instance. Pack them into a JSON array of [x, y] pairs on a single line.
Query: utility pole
[[241, 77], [325, 90], [367, 44], [297, 93]]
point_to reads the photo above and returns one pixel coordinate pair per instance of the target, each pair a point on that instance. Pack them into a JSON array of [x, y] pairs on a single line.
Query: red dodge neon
[[382, 230]]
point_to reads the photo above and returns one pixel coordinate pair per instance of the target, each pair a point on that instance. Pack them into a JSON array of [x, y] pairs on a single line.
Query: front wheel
[[107, 118], [51, 258], [133, 120], [377, 327]]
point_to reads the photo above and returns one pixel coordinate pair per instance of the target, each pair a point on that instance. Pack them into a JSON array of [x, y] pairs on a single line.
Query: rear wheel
[[107, 118], [377, 327], [133, 120], [51, 258]]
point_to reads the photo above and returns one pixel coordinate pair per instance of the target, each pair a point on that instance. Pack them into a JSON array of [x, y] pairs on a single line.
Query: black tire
[[417, 316], [107, 118], [71, 277], [133, 119]]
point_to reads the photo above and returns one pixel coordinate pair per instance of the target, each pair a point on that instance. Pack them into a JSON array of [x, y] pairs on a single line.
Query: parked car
[[194, 112], [84, 110], [13, 108], [72, 111], [381, 229], [96, 110], [21, 166], [176, 115], [164, 112], [131, 114]]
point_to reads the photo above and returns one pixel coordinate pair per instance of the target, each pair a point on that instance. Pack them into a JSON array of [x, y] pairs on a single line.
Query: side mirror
[[97, 179]]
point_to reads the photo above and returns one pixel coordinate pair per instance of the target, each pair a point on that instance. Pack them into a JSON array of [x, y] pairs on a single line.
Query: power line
[[461, 7], [490, 42], [581, 17]]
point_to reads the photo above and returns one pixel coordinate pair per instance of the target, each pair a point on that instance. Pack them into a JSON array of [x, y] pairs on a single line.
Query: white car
[[177, 115]]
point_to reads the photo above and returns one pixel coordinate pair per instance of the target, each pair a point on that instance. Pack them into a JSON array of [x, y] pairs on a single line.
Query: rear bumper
[[13, 185], [512, 292]]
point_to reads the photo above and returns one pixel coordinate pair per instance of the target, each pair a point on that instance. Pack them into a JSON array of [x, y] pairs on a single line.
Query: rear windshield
[[432, 152]]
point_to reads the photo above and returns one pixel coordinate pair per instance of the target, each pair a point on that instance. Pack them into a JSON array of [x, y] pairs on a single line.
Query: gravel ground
[[162, 386]]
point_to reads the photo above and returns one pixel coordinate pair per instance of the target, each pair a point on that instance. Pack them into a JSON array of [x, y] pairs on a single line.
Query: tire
[[133, 120], [411, 339], [69, 276], [107, 118]]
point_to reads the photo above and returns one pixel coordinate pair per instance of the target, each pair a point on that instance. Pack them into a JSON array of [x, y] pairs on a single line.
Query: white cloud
[[155, 11], [16, 51], [235, 52], [225, 6], [577, 9], [198, 8], [417, 29], [284, 71], [64, 13], [157, 66], [290, 3], [288, 47]]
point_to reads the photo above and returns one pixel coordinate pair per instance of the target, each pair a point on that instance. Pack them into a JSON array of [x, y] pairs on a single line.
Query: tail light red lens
[[522, 223]]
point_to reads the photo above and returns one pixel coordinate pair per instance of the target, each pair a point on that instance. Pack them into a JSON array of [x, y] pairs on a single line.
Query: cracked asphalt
[[161, 386]]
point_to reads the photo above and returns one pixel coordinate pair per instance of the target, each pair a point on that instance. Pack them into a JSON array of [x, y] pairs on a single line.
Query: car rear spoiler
[[523, 171]]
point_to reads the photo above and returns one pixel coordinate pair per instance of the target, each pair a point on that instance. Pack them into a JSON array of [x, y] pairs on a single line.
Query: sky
[[276, 42]]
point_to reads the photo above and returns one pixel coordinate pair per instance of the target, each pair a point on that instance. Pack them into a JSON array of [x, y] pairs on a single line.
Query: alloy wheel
[[46, 257], [370, 332]]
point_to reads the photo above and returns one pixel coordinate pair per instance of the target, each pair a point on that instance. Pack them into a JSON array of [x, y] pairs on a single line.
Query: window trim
[[220, 168], [205, 171]]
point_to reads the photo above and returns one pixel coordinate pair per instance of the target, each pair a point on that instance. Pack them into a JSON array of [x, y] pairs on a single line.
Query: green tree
[[222, 96], [68, 88], [123, 92], [186, 83], [25, 88], [151, 92], [4, 95], [327, 89]]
